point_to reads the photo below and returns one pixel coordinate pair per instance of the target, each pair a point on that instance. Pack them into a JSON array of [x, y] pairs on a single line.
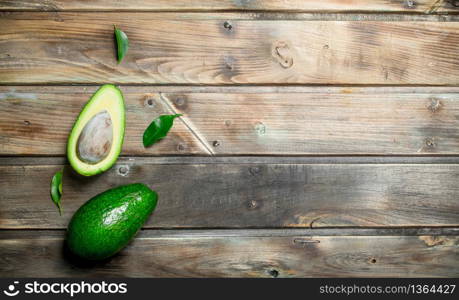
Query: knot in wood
[[281, 52], [435, 105], [179, 101]]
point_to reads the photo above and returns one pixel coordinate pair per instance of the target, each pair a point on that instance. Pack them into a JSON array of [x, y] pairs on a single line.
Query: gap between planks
[[247, 232], [421, 7], [185, 160], [452, 16], [88, 88]]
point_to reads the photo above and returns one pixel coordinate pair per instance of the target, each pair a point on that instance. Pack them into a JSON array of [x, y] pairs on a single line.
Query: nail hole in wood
[[260, 128], [150, 102], [373, 260], [27, 122], [216, 143], [410, 4], [274, 273], [430, 142], [123, 170], [254, 170], [228, 26], [252, 204]]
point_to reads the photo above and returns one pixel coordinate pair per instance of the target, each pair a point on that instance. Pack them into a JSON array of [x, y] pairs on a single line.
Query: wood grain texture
[[168, 48], [42, 254], [425, 6], [240, 195], [37, 121], [343, 123], [205, 160]]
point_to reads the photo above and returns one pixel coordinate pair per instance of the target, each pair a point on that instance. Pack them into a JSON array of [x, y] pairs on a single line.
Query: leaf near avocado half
[[158, 129], [56, 190], [122, 44]]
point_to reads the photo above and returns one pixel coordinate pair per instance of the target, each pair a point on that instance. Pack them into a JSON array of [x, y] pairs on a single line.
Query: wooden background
[[319, 138]]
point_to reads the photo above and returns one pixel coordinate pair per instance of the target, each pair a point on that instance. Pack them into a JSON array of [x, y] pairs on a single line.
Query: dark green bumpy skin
[[107, 222]]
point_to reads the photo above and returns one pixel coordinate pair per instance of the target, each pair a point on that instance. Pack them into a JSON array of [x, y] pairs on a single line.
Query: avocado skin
[[107, 222]]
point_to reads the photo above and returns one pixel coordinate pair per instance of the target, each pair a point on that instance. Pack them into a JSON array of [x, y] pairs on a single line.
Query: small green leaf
[[158, 129], [122, 43], [56, 190]]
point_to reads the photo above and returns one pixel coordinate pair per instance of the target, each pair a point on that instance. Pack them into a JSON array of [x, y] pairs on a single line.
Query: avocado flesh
[[97, 136], [107, 222]]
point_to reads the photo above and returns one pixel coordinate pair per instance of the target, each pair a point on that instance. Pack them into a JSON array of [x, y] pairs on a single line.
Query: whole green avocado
[[107, 222]]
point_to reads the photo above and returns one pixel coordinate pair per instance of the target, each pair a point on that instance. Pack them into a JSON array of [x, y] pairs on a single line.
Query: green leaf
[[122, 43], [56, 190], [158, 129]]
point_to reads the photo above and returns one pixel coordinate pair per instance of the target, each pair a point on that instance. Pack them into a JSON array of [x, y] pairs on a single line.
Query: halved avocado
[[96, 139]]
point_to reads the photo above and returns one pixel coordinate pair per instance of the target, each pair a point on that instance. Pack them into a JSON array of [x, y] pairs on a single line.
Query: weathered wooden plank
[[426, 6], [248, 195], [246, 160], [38, 48], [42, 254], [322, 123], [237, 89], [37, 121], [272, 232]]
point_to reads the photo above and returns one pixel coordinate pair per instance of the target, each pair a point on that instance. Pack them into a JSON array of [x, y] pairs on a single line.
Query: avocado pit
[[96, 138]]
